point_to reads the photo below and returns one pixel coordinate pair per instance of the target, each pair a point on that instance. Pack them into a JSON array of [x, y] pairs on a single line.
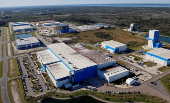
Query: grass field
[[149, 63], [33, 34], [166, 82], [136, 57], [105, 96], [121, 63], [118, 35], [21, 90], [89, 47], [1, 69], [164, 68], [2, 49]]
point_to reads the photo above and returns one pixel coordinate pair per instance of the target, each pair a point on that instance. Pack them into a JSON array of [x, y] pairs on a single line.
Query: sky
[[12, 3]]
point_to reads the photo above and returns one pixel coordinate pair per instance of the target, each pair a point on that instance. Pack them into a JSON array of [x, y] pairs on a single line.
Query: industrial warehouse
[[158, 54], [114, 46], [23, 43], [21, 26], [76, 63]]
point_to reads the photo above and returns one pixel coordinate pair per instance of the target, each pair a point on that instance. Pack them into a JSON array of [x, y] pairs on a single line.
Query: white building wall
[[52, 79], [122, 48], [56, 83], [157, 60], [114, 77]]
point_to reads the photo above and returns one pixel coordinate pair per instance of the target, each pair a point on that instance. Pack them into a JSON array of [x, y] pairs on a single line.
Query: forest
[[145, 18]]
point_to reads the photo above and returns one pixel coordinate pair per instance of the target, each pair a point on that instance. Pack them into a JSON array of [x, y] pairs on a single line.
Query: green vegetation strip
[[89, 47], [0, 95], [164, 68], [104, 96], [136, 57], [150, 64], [2, 49], [166, 82], [12, 38], [121, 63], [21, 91], [33, 34], [1, 69]]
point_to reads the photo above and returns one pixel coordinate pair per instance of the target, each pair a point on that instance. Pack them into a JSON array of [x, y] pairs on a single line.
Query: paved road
[[4, 79], [41, 39]]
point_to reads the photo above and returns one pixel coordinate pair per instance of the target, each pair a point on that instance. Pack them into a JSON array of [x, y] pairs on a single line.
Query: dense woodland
[[145, 18]]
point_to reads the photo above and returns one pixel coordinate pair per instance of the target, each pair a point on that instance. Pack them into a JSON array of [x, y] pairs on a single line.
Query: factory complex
[[73, 64], [114, 46], [21, 26], [157, 54]]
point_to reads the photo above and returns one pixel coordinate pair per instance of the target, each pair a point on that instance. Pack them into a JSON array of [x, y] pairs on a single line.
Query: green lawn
[[1, 69], [121, 63], [136, 57], [135, 47], [2, 49], [0, 95], [89, 47], [104, 96], [166, 82], [67, 35], [12, 38], [33, 34], [164, 68], [149, 63]]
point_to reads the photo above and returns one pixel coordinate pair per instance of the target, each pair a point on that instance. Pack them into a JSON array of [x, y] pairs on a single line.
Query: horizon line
[[89, 4]]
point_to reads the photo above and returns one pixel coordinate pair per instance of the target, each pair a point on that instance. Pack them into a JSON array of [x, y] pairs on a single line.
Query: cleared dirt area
[[15, 92], [118, 35]]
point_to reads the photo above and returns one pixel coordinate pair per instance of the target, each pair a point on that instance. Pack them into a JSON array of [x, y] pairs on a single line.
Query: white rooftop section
[[113, 44], [46, 57], [23, 27], [130, 81], [114, 71], [164, 53], [58, 70], [72, 58], [26, 41]]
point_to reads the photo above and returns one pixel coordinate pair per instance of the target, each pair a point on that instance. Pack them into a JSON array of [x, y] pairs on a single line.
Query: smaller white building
[[114, 46], [130, 81], [113, 74], [58, 73], [27, 42], [159, 55]]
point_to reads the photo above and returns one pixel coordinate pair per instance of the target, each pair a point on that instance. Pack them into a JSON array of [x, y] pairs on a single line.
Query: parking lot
[[33, 82]]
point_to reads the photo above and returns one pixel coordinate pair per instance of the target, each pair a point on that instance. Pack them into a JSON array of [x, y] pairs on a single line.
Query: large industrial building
[[114, 46], [50, 24], [21, 26], [153, 39], [72, 64], [27, 42], [159, 55]]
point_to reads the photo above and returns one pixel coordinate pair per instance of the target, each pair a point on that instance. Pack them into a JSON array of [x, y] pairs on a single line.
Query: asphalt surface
[[4, 79]]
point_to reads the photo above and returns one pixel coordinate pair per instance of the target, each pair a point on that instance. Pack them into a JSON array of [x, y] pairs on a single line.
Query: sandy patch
[[15, 92]]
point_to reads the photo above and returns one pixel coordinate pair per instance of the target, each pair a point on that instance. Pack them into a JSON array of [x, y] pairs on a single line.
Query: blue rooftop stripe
[[157, 56]]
